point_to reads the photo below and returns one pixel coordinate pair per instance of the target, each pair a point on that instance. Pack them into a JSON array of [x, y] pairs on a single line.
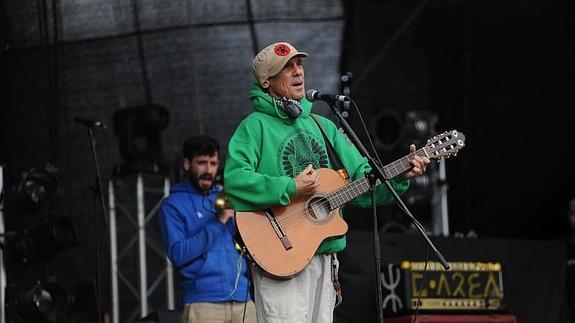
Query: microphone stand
[[99, 192], [377, 173]]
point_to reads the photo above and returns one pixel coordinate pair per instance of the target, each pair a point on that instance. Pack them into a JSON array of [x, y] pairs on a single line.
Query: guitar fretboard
[[354, 189]]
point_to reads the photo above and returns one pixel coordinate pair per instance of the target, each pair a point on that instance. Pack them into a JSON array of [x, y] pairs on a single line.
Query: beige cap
[[270, 60]]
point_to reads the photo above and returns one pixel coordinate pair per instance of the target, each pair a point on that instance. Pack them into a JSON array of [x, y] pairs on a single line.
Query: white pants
[[309, 297]]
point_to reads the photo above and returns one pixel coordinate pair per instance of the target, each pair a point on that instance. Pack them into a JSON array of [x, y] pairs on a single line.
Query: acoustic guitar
[[282, 240]]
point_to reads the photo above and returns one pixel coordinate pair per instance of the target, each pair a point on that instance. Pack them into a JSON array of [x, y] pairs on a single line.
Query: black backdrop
[[497, 71]]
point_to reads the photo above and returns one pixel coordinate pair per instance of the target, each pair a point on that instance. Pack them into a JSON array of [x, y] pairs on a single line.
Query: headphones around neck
[[291, 107]]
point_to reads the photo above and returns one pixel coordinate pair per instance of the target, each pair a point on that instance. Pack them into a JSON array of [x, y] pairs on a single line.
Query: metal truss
[[132, 242], [2, 265]]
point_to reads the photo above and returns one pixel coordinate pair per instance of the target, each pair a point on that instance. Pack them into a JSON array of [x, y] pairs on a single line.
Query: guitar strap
[[337, 166], [335, 280], [333, 158]]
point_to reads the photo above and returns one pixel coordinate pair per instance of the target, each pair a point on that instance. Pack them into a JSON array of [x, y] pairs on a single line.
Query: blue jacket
[[201, 247]]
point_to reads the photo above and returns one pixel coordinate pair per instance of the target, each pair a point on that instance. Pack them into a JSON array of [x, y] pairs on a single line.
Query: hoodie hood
[[265, 103]]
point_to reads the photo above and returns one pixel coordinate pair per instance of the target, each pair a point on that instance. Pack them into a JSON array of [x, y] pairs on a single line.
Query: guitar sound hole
[[318, 209]]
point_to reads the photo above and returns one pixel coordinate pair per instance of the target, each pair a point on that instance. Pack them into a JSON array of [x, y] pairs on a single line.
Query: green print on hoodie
[[268, 149]]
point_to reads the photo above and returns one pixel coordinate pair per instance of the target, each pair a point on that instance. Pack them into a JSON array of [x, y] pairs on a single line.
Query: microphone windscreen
[[311, 95]]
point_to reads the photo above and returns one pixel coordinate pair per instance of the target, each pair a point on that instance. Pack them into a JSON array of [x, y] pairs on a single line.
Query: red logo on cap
[[282, 50]]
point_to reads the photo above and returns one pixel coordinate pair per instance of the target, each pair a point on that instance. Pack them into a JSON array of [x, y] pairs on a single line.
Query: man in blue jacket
[[198, 241]]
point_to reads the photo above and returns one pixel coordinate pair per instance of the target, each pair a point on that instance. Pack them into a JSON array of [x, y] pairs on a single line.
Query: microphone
[[314, 95], [90, 123]]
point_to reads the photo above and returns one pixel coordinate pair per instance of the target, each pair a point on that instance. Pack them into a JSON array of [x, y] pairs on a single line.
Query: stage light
[[33, 194], [394, 132], [51, 302], [42, 242], [421, 187], [38, 186], [419, 126], [43, 302]]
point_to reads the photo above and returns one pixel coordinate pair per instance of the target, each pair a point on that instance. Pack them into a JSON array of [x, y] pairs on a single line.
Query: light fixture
[[38, 186], [39, 243], [51, 302], [393, 130], [421, 186], [43, 302], [419, 126]]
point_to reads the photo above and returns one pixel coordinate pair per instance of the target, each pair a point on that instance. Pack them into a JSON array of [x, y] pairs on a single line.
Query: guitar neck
[[354, 189], [401, 165]]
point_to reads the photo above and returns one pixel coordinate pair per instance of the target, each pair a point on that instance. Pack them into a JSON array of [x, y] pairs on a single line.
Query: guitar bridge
[[278, 229]]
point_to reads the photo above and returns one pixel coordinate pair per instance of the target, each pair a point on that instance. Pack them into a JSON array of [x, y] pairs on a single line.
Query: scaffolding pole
[[142, 248], [439, 204], [136, 219], [2, 267], [169, 267], [113, 255]]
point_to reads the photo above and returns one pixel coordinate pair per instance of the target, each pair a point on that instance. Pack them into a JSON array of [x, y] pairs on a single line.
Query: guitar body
[[283, 241]]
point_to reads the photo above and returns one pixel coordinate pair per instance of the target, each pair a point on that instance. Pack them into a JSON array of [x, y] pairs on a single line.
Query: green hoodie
[[269, 149]]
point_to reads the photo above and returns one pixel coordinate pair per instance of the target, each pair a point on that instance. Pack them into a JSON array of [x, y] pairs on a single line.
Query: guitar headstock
[[445, 144]]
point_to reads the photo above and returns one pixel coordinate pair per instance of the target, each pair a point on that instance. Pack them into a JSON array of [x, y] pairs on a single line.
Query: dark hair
[[200, 145]]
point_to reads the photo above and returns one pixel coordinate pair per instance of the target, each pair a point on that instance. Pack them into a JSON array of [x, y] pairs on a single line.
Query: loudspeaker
[[139, 130], [161, 317]]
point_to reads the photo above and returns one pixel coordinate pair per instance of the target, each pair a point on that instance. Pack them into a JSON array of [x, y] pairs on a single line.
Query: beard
[[199, 181]]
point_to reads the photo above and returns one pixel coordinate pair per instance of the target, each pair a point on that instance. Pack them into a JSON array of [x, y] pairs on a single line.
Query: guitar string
[[296, 217], [339, 196], [329, 203], [288, 220]]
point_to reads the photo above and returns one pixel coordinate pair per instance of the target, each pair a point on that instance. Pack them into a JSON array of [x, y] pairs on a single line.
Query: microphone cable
[[401, 205], [247, 295], [421, 285], [242, 251], [364, 127], [238, 267]]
